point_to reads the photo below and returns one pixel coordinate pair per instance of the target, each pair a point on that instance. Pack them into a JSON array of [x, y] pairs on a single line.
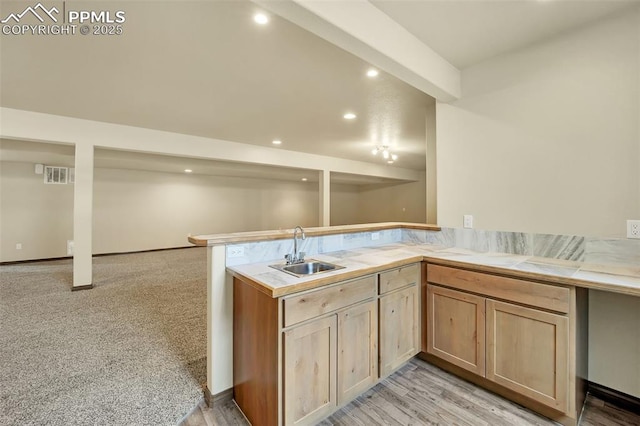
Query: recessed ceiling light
[[261, 18], [188, 170], [276, 142], [304, 179], [390, 162], [372, 72], [349, 116]]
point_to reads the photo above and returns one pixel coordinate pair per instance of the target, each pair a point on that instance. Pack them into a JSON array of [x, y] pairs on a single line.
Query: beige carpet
[[131, 351]]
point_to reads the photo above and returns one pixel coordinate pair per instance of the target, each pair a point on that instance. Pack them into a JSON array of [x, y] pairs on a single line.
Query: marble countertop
[[363, 261]]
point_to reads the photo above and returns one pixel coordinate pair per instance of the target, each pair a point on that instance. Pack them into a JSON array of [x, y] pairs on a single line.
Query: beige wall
[[431, 176], [344, 204], [140, 210], [38, 216], [547, 139], [614, 348], [402, 202]]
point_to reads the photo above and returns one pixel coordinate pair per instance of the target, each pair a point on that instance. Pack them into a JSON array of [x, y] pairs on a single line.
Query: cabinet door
[[456, 327], [357, 350], [399, 328], [310, 371], [527, 352]]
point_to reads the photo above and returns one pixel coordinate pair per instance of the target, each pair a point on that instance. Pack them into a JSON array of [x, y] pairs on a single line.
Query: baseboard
[[16, 262], [219, 398], [615, 397], [143, 251], [82, 287]]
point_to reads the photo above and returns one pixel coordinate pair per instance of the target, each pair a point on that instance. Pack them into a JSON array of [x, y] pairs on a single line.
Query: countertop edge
[[245, 237], [342, 276], [323, 280]]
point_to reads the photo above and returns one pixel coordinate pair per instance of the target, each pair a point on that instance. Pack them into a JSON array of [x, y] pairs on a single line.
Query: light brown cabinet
[[456, 327], [319, 349], [530, 342], [399, 328], [527, 352], [357, 350], [310, 371]]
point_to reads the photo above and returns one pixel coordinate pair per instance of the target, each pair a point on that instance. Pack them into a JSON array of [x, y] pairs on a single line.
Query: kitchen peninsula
[[495, 297]]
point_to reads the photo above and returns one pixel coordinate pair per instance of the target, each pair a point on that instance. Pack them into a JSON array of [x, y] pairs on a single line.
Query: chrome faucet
[[296, 257]]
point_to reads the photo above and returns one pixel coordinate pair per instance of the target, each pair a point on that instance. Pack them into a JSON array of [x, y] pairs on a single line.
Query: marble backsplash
[[565, 247], [605, 251], [275, 250]]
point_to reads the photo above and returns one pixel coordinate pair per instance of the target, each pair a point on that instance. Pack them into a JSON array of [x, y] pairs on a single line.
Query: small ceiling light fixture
[[349, 116], [372, 72], [261, 18], [188, 170], [277, 142], [386, 153], [304, 179]]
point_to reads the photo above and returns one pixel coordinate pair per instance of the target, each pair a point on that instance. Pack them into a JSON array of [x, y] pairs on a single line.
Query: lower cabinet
[[527, 352], [329, 362], [522, 335], [456, 327], [399, 328], [357, 350], [310, 371], [324, 347]]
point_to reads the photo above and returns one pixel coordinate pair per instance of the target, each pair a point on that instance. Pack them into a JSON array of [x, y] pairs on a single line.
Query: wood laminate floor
[[422, 394]]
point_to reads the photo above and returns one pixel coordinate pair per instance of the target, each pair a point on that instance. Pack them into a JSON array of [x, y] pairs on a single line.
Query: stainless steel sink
[[309, 267]]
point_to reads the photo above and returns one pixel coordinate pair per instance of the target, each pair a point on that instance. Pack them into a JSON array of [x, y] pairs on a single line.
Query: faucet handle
[[287, 257]]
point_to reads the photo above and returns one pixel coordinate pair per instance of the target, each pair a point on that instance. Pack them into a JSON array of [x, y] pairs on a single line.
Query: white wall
[[141, 210], [38, 216], [547, 139], [401, 202]]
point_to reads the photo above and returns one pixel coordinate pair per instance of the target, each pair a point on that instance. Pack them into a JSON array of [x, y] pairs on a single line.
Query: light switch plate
[[375, 236], [633, 229], [467, 221]]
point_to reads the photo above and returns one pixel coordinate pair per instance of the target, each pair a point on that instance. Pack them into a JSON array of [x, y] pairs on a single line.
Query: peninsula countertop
[[241, 237], [368, 260]]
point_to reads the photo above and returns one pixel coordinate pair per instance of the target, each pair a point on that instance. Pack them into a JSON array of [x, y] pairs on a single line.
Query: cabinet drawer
[[318, 302], [398, 278], [520, 291]]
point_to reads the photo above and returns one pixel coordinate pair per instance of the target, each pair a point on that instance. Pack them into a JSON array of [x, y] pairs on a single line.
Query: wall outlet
[[375, 236], [633, 229], [235, 251], [18, 246], [69, 247], [467, 221]]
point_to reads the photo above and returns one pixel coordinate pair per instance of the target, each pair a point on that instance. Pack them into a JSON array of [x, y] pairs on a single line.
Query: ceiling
[[205, 68], [63, 155], [465, 32]]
